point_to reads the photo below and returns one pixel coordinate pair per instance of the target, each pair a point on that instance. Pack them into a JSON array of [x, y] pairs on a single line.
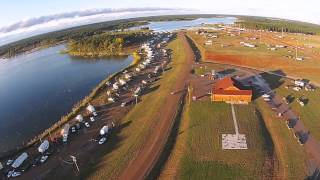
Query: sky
[[21, 18], [307, 10]]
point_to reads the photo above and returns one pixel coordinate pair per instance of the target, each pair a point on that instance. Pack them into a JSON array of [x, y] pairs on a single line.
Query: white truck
[[20, 160], [104, 130], [43, 146]]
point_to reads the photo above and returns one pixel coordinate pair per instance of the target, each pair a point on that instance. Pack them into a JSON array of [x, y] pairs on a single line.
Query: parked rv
[[43, 146], [65, 132], [20, 160]]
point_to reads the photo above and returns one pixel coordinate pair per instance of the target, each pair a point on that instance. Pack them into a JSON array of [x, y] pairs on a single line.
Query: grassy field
[[309, 113], [262, 57], [291, 155], [198, 154], [204, 158], [137, 123]]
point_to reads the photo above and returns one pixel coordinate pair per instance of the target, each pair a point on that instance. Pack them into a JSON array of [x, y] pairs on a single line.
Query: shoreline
[[77, 107]]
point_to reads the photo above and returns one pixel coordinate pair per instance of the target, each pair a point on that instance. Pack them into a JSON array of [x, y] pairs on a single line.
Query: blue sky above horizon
[[16, 10]]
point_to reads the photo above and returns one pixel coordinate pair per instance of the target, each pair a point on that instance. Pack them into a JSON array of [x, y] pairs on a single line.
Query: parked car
[[36, 161], [87, 124], [92, 119], [73, 129], [16, 174], [44, 159], [123, 104], [10, 173], [9, 162], [291, 123], [102, 140]]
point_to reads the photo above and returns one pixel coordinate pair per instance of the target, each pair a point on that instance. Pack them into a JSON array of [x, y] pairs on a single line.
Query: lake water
[[38, 88], [175, 25]]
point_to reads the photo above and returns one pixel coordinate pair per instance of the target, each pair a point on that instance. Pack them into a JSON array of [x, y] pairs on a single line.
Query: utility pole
[[297, 50], [74, 159], [260, 36], [136, 96]]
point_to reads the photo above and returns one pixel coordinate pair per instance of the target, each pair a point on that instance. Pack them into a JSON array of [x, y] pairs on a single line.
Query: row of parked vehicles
[[15, 167], [149, 53]]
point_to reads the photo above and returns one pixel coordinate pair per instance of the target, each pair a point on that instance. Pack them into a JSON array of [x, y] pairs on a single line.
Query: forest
[[278, 25], [106, 44]]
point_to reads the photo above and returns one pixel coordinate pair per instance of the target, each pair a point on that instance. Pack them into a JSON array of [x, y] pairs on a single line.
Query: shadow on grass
[[274, 81], [195, 49], [227, 72]]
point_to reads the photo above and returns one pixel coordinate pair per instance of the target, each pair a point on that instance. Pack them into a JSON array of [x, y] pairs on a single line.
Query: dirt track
[[145, 159]]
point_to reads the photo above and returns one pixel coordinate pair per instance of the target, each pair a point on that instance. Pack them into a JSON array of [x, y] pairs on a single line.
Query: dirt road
[[142, 164]]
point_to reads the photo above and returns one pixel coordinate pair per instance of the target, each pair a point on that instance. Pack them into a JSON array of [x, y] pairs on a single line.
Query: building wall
[[239, 99]]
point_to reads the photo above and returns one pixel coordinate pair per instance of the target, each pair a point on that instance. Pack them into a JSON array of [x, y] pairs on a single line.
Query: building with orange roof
[[228, 90]]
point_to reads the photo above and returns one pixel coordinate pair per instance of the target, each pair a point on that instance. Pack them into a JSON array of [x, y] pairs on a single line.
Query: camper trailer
[[79, 118], [43, 146], [17, 163], [65, 132]]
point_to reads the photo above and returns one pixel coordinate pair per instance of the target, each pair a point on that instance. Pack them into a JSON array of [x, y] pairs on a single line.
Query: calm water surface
[[38, 88], [175, 25]]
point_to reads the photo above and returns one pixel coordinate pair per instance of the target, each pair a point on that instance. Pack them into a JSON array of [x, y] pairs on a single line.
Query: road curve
[[141, 165]]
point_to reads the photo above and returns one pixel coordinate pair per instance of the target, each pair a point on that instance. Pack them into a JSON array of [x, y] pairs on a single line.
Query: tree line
[[279, 25], [106, 44]]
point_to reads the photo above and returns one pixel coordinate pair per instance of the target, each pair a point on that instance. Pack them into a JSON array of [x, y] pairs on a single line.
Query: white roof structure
[[234, 141]]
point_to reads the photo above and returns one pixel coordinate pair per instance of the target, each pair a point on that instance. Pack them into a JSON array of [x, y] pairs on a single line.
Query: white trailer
[[122, 81], [115, 86], [79, 118], [299, 83], [65, 132], [43, 146], [137, 91], [104, 130], [127, 76], [20, 160]]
